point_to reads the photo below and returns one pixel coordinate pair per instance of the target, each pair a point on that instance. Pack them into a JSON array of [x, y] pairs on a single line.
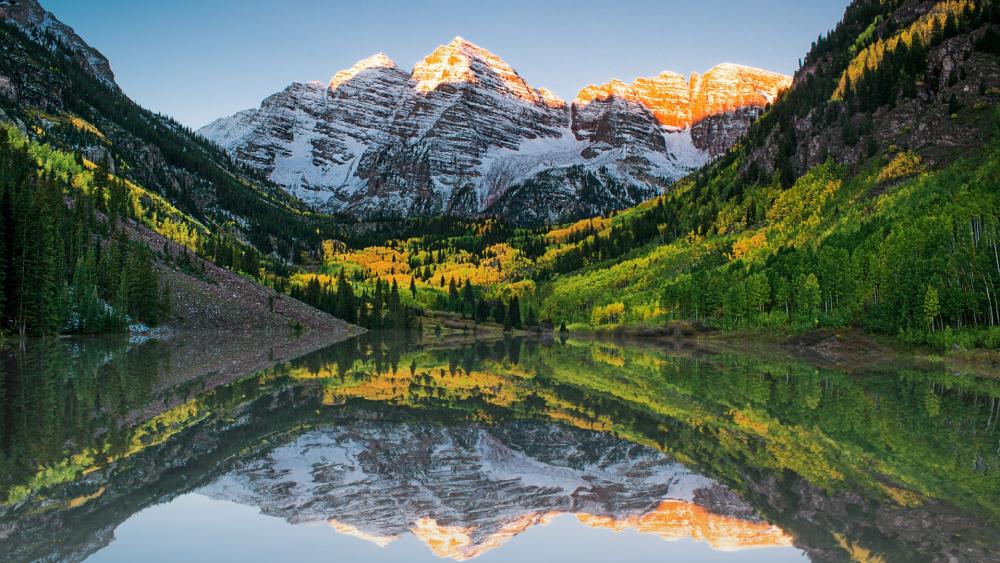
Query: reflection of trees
[[56, 394]]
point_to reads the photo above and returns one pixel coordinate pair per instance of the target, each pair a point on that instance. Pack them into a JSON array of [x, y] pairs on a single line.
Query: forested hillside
[[115, 217], [66, 266]]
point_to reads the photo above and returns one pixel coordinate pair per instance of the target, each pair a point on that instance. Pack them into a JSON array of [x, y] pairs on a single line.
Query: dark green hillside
[[49, 95]]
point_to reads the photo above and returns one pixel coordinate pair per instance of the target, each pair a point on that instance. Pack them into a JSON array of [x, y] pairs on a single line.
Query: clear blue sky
[[197, 60]]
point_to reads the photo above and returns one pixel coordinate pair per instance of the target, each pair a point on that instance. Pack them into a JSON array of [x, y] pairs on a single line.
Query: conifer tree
[[514, 313]]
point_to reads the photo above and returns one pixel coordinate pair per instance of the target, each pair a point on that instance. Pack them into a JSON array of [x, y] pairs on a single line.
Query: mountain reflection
[[467, 445], [466, 489]]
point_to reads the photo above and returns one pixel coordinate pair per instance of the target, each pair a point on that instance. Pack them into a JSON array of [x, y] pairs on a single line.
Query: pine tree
[[454, 300], [468, 300], [346, 307], [166, 304], [3, 253], [482, 311], [500, 313], [514, 313], [531, 319], [395, 307]]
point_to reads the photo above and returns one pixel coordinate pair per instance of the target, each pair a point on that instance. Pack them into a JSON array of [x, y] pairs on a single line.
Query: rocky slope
[[934, 100], [464, 134], [34, 20]]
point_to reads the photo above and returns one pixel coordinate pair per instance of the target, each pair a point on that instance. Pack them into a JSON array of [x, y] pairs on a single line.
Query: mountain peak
[[463, 62], [374, 62], [378, 60]]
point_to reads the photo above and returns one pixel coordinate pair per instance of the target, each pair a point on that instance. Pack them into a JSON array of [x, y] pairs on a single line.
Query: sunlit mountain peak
[[464, 62], [376, 61]]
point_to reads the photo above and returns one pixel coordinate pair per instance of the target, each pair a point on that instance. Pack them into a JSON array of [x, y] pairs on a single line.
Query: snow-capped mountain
[[463, 133], [465, 490]]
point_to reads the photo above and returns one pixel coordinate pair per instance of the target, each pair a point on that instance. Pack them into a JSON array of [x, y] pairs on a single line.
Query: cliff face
[[934, 99], [310, 136], [464, 133], [729, 97], [34, 20], [460, 104]]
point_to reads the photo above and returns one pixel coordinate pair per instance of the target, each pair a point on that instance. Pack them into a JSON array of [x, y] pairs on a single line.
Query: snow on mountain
[[34, 20], [465, 490], [463, 133]]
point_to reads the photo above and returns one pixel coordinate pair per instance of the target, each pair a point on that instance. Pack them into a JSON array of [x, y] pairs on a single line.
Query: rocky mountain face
[[33, 19], [717, 107], [464, 134], [465, 490], [893, 106]]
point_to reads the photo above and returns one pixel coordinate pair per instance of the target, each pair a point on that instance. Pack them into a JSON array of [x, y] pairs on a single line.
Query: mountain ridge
[[465, 129]]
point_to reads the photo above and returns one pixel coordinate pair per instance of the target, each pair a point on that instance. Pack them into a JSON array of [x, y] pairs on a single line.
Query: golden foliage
[[870, 57], [747, 244], [561, 235], [612, 313], [903, 165]]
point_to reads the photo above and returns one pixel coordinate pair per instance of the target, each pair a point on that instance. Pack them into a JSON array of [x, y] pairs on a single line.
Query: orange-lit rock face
[[676, 519], [679, 103], [458, 543], [463, 62], [672, 520], [376, 61]]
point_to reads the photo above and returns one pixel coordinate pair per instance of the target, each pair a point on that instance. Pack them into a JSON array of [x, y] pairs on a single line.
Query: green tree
[[932, 307], [758, 293], [807, 299], [468, 299]]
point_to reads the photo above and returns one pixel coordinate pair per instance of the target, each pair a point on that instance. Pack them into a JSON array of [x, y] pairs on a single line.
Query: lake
[[385, 448]]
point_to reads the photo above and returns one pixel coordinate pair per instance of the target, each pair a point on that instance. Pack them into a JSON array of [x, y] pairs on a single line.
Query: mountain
[[39, 23], [864, 197], [81, 163], [59, 90], [464, 134]]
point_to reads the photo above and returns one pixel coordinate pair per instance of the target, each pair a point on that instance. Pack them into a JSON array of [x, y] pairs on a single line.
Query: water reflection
[[464, 490], [466, 446]]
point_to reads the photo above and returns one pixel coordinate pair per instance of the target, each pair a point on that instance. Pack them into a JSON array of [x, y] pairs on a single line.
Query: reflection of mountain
[[467, 489]]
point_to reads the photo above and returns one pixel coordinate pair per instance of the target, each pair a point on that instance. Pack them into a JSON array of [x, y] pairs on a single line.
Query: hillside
[[116, 218], [83, 251], [59, 90]]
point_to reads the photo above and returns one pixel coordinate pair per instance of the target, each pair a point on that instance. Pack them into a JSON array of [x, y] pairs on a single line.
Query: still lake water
[[385, 449]]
